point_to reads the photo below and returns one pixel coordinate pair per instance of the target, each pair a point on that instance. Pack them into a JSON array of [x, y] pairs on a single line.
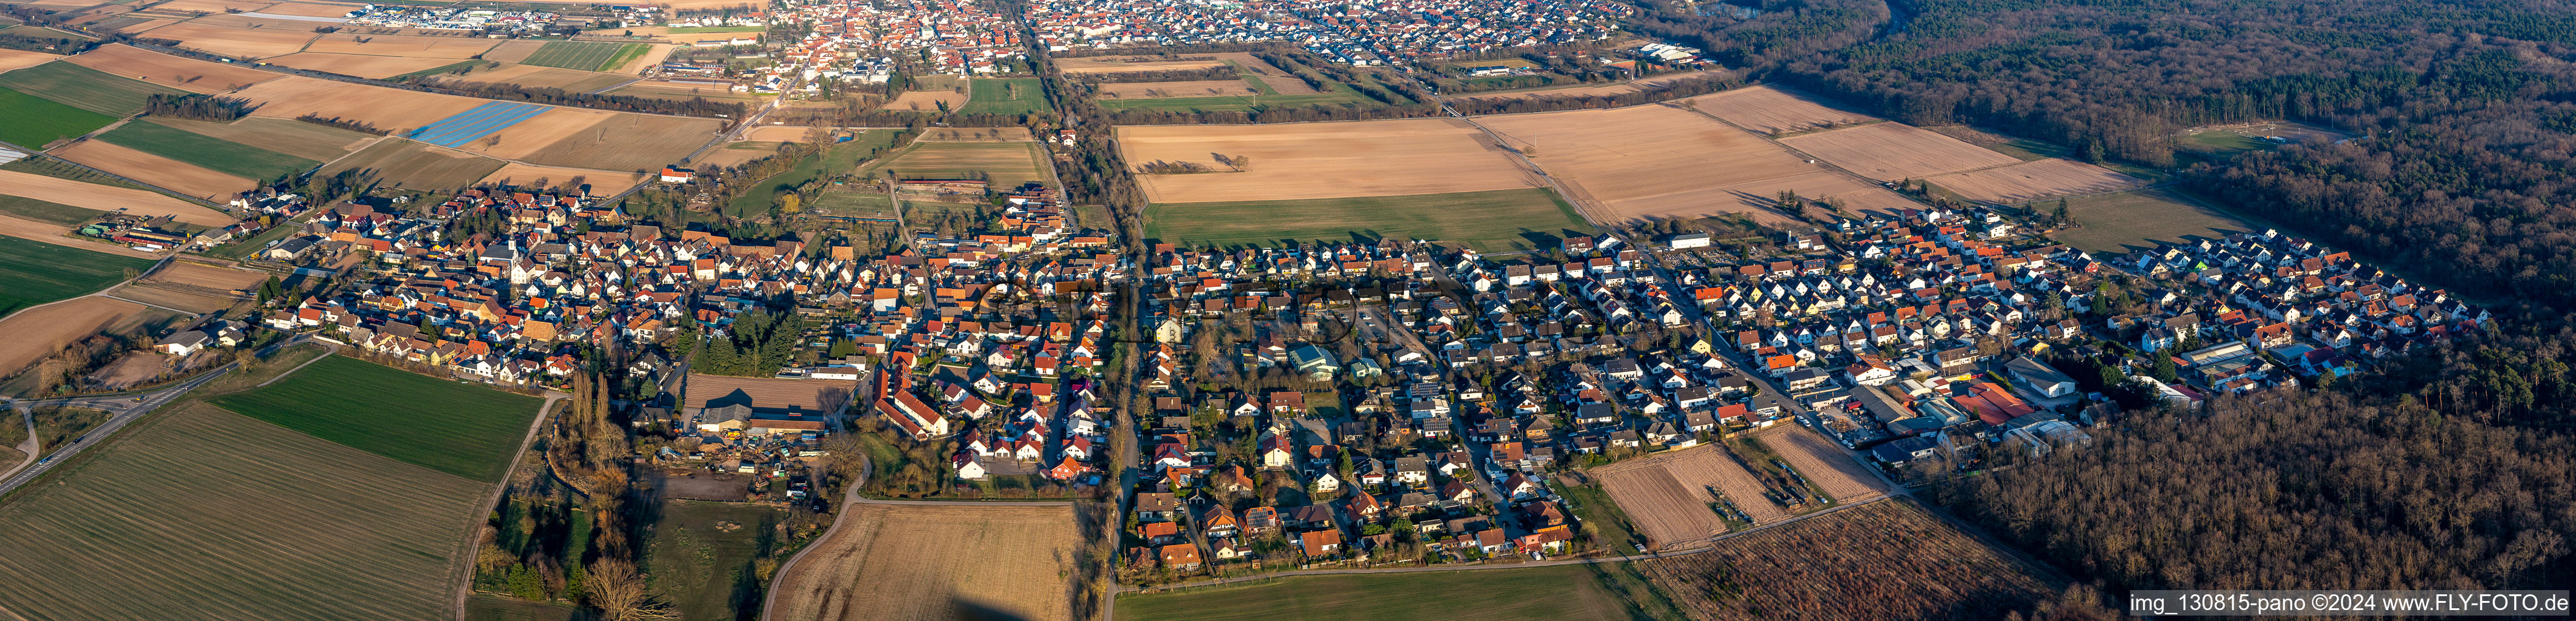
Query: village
[[1366, 34]]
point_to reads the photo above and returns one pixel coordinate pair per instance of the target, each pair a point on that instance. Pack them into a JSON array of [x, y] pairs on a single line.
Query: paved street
[[123, 409]]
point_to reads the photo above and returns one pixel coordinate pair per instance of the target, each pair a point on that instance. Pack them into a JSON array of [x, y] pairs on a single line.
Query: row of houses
[[1395, 32]]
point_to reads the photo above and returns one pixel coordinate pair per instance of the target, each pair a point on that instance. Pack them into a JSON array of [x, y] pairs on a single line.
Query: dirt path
[[460, 569], [30, 446]]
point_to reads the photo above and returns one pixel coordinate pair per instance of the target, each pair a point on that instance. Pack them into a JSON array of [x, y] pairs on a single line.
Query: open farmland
[[1202, 88], [2033, 180], [1824, 465], [929, 93], [1660, 161], [21, 228], [31, 121], [37, 333], [206, 152], [1589, 90], [455, 48], [701, 553], [913, 563], [207, 277], [34, 273], [310, 141], [199, 513], [391, 109], [1894, 151], [680, 91], [1005, 96], [412, 165], [582, 55], [514, 50], [1872, 562], [1604, 591], [160, 171], [21, 59], [1667, 495], [1129, 65], [975, 134], [524, 138], [539, 76], [627, 142], [234, 41], [373, 67], [84, 88], [1489, 221], [2130, 221], [107, 198], [209, 6], [464, 430], [601, 183], [1321, 160], [1772, 111], [172, 71], [1005, 164], [181, 298]]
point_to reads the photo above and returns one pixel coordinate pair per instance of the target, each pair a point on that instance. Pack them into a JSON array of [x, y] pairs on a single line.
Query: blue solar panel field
[[481, 121]]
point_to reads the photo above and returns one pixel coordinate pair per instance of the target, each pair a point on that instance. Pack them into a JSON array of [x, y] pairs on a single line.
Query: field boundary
[[321, 75], [460, 569]]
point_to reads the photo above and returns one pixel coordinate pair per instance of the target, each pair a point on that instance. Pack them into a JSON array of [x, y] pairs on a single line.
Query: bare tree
[[620, 594]]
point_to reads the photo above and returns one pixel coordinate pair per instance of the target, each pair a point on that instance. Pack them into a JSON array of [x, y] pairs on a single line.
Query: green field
[[1491, 221], [84, 88], [854, 205], [1005, 164], [30, 121], [42, 211], [441, 69], [584, 55], [709, 29], [212, 153], [700, 554], [838, 159], [1536, 594], [202, 514], [64, 170], [456, 428], [2139, 220], [34, 272], [1005, 96], [1269, 98]]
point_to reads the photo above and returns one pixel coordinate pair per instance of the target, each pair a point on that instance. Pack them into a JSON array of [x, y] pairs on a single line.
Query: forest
[[2445, 466]]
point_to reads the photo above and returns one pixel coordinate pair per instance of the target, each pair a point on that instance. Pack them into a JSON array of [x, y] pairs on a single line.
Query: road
[[125, 410]]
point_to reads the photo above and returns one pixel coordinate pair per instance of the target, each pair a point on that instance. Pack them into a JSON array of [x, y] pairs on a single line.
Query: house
[[1906, 449], [2040, 377], [967, 468], [1320, 544], [677, 175], [1180, 557], [182, 343], [1157, 507]]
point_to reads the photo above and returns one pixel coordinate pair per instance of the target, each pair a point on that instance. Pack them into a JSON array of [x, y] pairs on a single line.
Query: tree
[[620, 595], [2061, 216]]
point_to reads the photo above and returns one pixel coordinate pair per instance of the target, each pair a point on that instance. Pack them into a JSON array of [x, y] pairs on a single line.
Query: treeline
[[757, 344], [333, 121], [694, 106], [50, 45], [1660, 92], [198, 107], [1225, 72]]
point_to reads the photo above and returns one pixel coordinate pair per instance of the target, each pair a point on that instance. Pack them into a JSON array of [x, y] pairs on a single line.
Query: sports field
[[584, 55], [1005, 164], [1005, 96], [208, 152], [34, 273], [198, 513], [456, 428], [84, 88], [1543, 593], [1491, 221], [31, 121]]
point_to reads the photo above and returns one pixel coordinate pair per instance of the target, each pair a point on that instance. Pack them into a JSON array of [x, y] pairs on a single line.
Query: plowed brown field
[[309, 9], [172, 71], [106, 198], [39, 332], [235, 42], [391, 109], [527, 137], [20, 59], [1659, 161], [629, 142], [210, 6], [454, 48], [936, 562], [927, 101], [1322, 160], [1893, 151], [1667, 495], [1824, 464], [192, 274], [601, 183], [360, 65], [156, 170], [2033, 180], [513, 51], [1156, 90], [1772, 111], [1107, 65], [542, 76]]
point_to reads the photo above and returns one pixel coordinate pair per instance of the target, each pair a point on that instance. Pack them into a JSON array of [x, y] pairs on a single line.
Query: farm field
[[483, 120], [2033, 181], [1894, 151], [839, 158], [582, 55], [200, 513], [1823, 464], [683, 92], [166, 296], [628, 142], [2130, 221], [737, 154], [33, 272], [236, 42], [898, 562], [1667, 496], [84, 88], [364, 66], [1005, 164], [455, 48], [21, 59], [36, 334], [975, 134], [161, 171], [182, 73], [286, 136], [1533, 594], [928, 92], [601, 183], [91, 196], [26, 229], [523, 139], [700, 553], [459, 429], [488, 608], [1772, 111], [390, 109], [540, 76], [43, 211], [1658, 161], [1489, 221], [514, 50], [1321, 160], [412, 165], [1143, 63], [1202, 88], [207, 152], [1005, 96], [208, 277], [1274, 92], [1582, 90], [1883, 560], [31, 121]]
